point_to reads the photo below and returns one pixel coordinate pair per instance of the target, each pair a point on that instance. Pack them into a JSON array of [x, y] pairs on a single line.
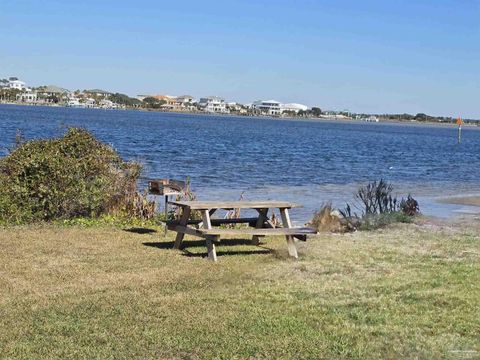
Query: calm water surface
[[305, 161]]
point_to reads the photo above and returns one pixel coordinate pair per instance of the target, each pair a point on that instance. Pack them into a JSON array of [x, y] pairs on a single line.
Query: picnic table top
[[206, 205]]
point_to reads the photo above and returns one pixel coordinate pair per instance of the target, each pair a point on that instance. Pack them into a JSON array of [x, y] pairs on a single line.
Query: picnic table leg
[[292, 250], [262, 217], [183, 222], [212, 254], [210, 213]]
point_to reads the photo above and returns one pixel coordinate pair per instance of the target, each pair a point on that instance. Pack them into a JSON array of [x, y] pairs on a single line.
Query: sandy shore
[[462, 200]]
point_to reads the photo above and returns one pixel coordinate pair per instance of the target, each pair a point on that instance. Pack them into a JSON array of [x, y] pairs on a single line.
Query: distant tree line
[[420, 117], [126, 100]]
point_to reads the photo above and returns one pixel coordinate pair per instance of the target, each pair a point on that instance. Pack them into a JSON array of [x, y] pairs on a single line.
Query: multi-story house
[[267, 107], [14, 83], [213, 104]]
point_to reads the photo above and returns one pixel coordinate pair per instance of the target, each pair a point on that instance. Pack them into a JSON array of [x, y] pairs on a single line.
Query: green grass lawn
[[409, 291]]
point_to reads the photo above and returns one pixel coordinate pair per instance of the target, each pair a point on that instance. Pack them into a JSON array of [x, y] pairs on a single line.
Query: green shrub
[[379, 207], [376, 221], [62, 178]]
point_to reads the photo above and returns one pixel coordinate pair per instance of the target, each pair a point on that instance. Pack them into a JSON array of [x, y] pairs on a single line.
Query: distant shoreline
[[304, 119], [473, 200]]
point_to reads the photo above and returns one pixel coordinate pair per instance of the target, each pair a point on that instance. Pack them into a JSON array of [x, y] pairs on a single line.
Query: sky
[[372, 56]]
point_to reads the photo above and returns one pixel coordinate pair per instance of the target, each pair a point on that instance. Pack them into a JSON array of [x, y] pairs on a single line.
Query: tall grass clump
[[379, 207], [63, 178], [374, 206], [327, 219]]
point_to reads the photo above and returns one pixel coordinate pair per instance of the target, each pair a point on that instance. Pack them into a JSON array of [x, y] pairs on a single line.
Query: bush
[[409, 206], [62, 178], [376, 198], [377, 221], [378, 207]]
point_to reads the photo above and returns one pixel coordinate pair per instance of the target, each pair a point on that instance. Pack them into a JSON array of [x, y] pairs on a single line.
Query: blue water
[[306, 161]]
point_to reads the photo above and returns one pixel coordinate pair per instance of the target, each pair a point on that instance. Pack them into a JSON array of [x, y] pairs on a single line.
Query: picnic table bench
[[260, 226]]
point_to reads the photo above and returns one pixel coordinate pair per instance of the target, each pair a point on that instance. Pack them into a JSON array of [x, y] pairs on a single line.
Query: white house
[[28, 97], [185, 100], [14, 83], [293, 107], [213, 104], [267, 107], [98, 92], [90, 103], [107, 104], [74, 102]]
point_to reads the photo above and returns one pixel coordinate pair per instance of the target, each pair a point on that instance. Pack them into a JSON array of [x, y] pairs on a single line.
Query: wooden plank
[[205, 205], [260, 232], [185, 230], [217, 222], [262, 217], [292, 250], [183, 222]]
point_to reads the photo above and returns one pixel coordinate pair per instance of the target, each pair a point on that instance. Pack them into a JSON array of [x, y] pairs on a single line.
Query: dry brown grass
[[323, 220], [409, 291]]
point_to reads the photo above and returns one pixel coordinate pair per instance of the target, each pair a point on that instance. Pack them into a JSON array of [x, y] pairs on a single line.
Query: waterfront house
[[14, 83], [98, 92], [107, 104], [52, 93], [213, 104], [74, 102], [293, 108], [167, 99], [185, 100], [90, 103], [52, 90], [267, 107], [27, 97], [237, 108]]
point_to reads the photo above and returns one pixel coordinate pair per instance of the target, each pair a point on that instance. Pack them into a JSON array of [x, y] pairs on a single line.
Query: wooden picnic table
[[261, 225]]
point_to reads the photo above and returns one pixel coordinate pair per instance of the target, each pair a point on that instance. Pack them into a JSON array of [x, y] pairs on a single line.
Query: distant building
[[3, 83], [267, 107], [28, 97], [14, 83], [293, 107], [74, 102], [107, 104], [142, 97], [52, 94], [90, 103], [170, 101], [99, 92], [52, 90], [213, 104], [185, 100]]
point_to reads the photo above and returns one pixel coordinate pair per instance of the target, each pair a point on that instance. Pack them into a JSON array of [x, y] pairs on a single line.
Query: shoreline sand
[[473, 200]]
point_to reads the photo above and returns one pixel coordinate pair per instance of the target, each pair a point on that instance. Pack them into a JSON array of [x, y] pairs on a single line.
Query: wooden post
[[262, 217], [207, 224], [166, 214], [292, 250], [183, 222], [459, 123]]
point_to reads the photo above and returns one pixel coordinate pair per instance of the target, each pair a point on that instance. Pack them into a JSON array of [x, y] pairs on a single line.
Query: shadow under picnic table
[[167, 245]]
